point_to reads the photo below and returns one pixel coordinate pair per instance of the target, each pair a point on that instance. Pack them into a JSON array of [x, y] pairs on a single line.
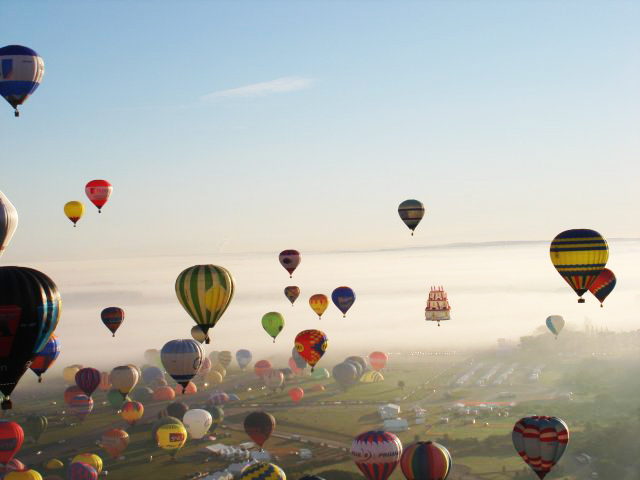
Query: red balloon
[[189, 390], [88, 379], [11, 438], [262, 367], [115, 441], [296, 394], [289, 259], [72, 392], [98, 192], [311, 345], [164, 393], [378, 360]]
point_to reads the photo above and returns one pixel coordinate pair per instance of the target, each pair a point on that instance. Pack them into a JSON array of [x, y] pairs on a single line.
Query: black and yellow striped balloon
[[262, 471], [579, 255]]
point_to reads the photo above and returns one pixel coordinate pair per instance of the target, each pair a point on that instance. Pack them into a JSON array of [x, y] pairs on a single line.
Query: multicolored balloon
[[411, 212], [224, 358], [45, 357], [205, 292], [603, 285], [21, 71], [343, 298], [292, 293], [11, 438], [8, 222], [290, 259], [555, 323], [131, 412], [311, 345], [540, 441], [98, 192], [90, 459], [80, 406], [319, 304], [35, 426], [259, 426], [171, 437], [74, 211], [579, 256], [114, 441], [30, 309], [376, 454], [197, 334], [112, 317], [262, 471], [425, 461], [273, 323], [81, 471], [182, 360]]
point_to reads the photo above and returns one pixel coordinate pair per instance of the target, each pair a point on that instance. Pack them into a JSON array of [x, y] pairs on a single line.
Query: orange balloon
[[319, 303]]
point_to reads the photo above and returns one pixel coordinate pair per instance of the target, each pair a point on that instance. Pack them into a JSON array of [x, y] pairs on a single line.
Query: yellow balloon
[[171, 436], [54, 464], [23, 475], [213, 377], [220, 369], [319, 303], [69, 374], [90, 459], [74, 210]]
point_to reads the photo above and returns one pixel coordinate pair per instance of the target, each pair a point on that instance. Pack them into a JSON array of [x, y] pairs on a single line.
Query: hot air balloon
[[21, 71], [290, 259], [262, 471], [579, 257], [175, 410], [197, 422], [294, 368], [218, 398], [376, 454], [360, 361], [425, 461], [34, 426], [74, 211], [131, 412], [262, 367], [371, 377], [11, 438], [164, 394], [90, 459], [224, 358], [45, 357], [311, 345], [243, 357], [171, 437], [98, 192], [205, 368], [105, 382], [346, 374], [205, 291], [124, 378], [292, 293], [311, 477], [30, 309], [190, 389], [540, 441], [80, 406], [14, 465], [273, 379], [319, 303], [259, 426], [88, 379], [603, 285], [298, 360], [378, 360], [214, 377], [71, 392], [217, 414], [114, 441], [197, 334], [343, 298], [29, 474], [152, 375], [81, 471], [69, 373], [8, 221], [273, 323], [112, 317], [114, 397], [411, 212], [555, 323], [182, 359], [142, 395], [296, 394], [321, 374]]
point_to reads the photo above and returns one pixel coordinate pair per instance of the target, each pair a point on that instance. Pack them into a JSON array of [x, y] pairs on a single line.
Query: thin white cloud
[[279, 85]]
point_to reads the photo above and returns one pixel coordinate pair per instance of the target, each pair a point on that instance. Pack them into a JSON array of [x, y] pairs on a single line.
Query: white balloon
[[197, 422], [8, 221]]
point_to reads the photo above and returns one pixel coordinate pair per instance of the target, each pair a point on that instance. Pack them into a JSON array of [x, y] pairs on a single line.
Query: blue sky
[[232, 130]]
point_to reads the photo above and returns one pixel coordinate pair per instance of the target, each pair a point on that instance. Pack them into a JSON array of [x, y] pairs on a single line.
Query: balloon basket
[[581, 300]]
